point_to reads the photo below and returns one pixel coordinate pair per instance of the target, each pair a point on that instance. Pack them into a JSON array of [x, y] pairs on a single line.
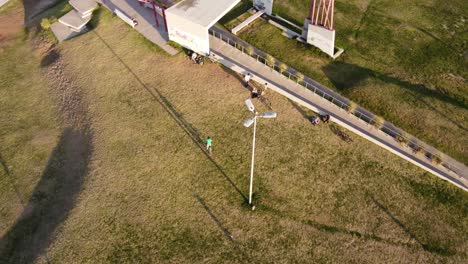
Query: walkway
[[240, 62], [146, 22], [2, 2]]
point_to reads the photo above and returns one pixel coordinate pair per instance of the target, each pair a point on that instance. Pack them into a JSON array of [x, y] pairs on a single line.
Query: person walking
[[264, 89], [209, 143], [247, 78], [315, 121], [254, 93]]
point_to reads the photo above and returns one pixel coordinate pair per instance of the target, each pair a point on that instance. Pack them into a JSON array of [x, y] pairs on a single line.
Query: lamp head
[[249, 122], [250, 105], [268, 115]]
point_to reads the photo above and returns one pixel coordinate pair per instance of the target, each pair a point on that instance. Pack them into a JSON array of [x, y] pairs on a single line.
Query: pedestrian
[[326, 118], [254, 93], [315, 121], [209, 143], [247, 78], [264, 88]]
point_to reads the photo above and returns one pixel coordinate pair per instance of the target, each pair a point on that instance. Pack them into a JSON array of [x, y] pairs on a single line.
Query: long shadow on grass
[[426, 246], [226, 232], [332, 229], [188, 128], [345, 76], [10, 180], [300, 110], [34, 9], [51, 201]]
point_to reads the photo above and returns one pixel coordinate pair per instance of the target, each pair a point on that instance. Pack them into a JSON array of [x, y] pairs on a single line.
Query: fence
[[405, 139]]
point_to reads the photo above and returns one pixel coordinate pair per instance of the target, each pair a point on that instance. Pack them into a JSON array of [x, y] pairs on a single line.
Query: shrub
[[270, 61], [352, 106], [402, 139], [282, 67], [299, 77], [45, 24], [416, 149], [378, 122], [249, 50], [436, 159]]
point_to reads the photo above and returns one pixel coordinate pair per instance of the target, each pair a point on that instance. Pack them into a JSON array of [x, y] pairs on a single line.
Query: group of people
[[255, 91], [196, 58], [325, 118], [316, 120]]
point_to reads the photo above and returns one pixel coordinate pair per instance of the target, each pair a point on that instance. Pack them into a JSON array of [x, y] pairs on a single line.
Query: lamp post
[[248, 123]]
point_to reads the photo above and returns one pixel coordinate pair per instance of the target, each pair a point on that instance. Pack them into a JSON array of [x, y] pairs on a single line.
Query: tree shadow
[[34, 10], [52, 56], [52, 199], [186, 126], [346, 76]]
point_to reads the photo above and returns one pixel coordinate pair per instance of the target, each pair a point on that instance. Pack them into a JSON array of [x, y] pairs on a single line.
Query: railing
[[405, 139]]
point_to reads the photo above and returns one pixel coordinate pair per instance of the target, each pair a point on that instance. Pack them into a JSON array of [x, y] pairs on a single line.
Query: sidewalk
[[146, 22], [2, 2], [241, 63]]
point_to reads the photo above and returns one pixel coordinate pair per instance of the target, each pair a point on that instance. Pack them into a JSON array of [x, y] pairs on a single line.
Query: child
[[209, 143]]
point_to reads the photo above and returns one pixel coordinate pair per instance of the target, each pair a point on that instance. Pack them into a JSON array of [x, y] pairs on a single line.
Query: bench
[[132, 22]]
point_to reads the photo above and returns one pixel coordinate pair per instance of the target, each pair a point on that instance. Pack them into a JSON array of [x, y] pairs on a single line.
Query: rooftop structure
[[188, 21]]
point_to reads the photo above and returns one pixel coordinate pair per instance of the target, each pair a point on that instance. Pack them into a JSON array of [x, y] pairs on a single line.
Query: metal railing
[[405, 139]]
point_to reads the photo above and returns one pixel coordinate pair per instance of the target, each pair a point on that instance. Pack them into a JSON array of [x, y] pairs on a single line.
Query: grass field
[[405, 61], [150, 194]]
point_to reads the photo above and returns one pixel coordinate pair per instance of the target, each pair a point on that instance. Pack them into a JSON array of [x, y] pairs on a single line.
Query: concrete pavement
[[2, 2]]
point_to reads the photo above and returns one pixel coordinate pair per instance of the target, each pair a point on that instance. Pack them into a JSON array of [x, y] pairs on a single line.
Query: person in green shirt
[[209, 143]]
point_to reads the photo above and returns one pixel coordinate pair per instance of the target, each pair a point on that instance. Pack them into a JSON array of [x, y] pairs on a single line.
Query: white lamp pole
[[253, 160], [248, 123]]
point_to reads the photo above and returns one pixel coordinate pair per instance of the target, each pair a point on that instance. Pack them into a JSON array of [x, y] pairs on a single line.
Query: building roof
[[202, 12], [83, 6]]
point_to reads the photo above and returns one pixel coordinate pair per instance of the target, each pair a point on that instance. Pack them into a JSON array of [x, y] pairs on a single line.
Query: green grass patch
[[399, 65]]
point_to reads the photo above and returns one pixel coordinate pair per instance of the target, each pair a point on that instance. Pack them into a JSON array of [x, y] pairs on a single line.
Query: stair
[[74, 22]]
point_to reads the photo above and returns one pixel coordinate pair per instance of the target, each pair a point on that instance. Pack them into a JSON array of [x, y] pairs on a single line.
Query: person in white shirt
[[247, 78]]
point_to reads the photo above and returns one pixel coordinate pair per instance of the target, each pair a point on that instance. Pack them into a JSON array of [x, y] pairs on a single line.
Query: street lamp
[[248, 123]]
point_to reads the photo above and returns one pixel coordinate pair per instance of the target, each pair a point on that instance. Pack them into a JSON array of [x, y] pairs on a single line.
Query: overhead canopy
[[188, 21]]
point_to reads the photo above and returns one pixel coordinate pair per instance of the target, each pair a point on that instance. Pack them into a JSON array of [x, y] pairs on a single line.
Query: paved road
[[241, 63]]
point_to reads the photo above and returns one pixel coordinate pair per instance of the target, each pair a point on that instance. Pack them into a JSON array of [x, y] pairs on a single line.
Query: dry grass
[[29, 125], [152, 195]]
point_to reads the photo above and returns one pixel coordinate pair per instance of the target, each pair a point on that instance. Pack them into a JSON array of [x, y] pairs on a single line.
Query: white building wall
[[188, 34]]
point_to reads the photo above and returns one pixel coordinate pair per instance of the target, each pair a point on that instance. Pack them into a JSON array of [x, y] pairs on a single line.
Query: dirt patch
[[44, 137], [11, 24]]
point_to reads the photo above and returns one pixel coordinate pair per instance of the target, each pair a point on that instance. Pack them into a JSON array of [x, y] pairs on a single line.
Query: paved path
[[241, 63], [2, 2], [146, 22]]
